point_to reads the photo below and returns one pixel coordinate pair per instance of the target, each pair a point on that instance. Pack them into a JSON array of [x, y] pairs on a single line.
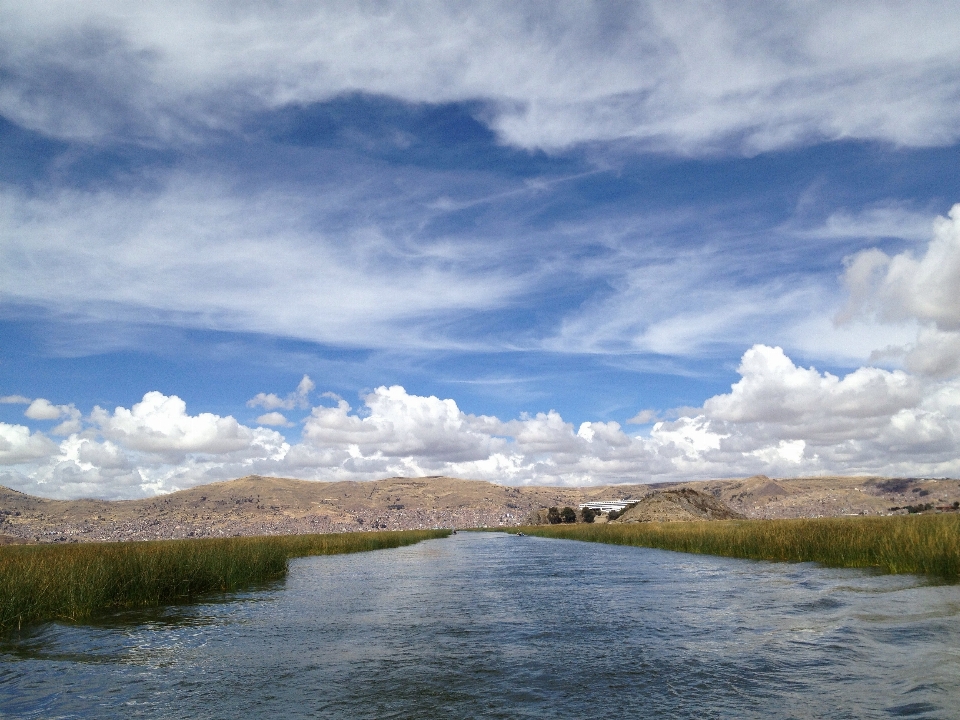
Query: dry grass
[[922, 544], [74, 582]]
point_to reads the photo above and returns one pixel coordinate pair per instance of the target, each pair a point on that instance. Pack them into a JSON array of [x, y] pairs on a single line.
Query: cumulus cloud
[[871, 420], [42, 409], [274, 418], [19, 445], [161, 424], [671, 75], [644, 417], [911, 288], [402, 425], [779, 418], [299, 398], [154, 446], [772, 389]]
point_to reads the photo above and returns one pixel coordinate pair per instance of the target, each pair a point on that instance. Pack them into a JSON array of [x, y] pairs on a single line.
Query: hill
[[680, 504], [256, 505]]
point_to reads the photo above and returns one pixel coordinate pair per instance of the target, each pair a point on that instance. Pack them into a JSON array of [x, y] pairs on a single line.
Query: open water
[[484, 625]]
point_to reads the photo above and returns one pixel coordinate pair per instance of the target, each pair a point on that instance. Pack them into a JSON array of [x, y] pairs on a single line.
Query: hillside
[[680, 504], [829, 496], [257, 505]]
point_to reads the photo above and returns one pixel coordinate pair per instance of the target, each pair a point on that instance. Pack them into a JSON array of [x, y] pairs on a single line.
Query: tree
[[553, 516], [588, 515], [568, 515], [614, 514]]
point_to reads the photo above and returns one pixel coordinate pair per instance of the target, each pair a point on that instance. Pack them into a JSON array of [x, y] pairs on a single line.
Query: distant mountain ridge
[[256, 505]]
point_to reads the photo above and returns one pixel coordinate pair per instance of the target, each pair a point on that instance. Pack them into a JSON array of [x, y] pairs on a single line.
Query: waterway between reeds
[[490, 625]]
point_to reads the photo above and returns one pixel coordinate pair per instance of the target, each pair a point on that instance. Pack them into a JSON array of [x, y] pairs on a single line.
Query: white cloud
[[645, 417], [786, 451], [684, 305], [886, 220], [19, 445], [160, 424], [779, 419], [274, 418], [910, 289], [905, 287], [155, 446], [14, 400], [268, 401], [772, 389], [401, 425], [936, 353], [871, 420], [671, 75], [42, 409], [297, 399], [190, 252]]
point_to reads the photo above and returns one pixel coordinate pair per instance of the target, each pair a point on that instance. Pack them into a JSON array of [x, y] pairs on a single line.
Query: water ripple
[[495, 626]]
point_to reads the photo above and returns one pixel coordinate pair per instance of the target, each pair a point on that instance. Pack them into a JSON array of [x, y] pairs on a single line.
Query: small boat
[[520, 534]]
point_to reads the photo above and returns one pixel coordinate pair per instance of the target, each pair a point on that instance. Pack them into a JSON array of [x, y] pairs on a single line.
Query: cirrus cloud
[[680, 76]]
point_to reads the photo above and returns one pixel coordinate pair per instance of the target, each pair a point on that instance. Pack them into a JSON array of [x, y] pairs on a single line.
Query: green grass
[[74, 582], [920, 544]]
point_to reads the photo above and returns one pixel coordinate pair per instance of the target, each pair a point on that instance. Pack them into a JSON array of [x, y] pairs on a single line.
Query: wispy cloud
[[199, 254], [642, 188], [889, 220], [676, 76]]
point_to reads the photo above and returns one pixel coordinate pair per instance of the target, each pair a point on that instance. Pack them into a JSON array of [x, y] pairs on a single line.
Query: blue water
[[485, 625]]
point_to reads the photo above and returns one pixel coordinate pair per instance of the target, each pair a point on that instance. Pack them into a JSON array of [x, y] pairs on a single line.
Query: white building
[[606, 506]]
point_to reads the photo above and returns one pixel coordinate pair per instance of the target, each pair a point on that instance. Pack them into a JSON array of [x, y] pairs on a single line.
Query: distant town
[[258, 505]]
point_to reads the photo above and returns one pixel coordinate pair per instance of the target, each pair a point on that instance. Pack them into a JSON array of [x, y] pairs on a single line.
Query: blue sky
[[595, 243]]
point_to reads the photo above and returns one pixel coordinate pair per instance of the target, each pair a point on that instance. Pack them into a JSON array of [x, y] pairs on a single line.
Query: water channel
[[490, 625]]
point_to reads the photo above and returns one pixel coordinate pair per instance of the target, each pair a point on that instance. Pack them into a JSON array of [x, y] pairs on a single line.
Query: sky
[[565, 243]]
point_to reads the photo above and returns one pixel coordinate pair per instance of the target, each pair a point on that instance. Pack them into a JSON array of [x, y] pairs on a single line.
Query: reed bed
[[75, 582], [920, 544]]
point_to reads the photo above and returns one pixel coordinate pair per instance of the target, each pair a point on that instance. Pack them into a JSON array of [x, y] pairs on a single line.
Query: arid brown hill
[[680, 504], [828, 496], [257, 505]]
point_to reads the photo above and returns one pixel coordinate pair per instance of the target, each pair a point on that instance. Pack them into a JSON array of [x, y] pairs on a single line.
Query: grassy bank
[[73, 582], [923, 544]]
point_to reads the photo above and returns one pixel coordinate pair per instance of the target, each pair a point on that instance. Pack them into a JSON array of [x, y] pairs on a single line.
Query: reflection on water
[[498, 626]]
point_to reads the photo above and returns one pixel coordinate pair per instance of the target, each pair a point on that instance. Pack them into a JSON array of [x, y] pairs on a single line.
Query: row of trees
[[555, 515]]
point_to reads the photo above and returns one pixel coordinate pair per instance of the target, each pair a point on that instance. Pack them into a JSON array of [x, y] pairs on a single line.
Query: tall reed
[[74, 582], [921, 544]]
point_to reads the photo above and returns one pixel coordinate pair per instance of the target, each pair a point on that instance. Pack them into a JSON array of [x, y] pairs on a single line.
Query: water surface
[[485, 625]]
